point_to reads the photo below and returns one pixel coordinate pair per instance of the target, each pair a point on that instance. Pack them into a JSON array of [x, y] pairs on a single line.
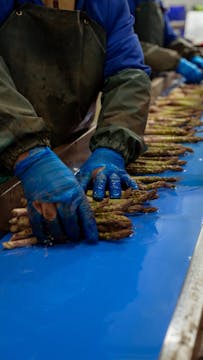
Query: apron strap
[[61, 4]]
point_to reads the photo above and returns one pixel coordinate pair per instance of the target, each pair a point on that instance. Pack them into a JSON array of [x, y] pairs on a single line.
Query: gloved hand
[[197, 60], [190, 71], [57, 205], [106, 168]]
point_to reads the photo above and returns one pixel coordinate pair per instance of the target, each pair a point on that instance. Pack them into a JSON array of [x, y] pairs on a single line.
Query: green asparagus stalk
[[172, 139], [168, 131], [152, 179]]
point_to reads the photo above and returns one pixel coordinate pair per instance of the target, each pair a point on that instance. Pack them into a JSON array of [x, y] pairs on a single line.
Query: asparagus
[[157, 122], [109, 214], [168, 131], [115, 235], [21, 234], [159, 160], [170, 146], [172, 139], [152, 179], [19, 212], [111, 222], [140, 197], [155, 185], [20, 243], [142, 209], [136, 169]]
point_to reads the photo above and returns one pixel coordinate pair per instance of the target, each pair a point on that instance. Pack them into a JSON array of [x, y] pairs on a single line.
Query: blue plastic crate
[[177, 12]]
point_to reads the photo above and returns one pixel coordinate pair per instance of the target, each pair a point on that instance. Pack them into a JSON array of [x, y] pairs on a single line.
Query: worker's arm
[[163, 59], [159, 58], [126, 93]]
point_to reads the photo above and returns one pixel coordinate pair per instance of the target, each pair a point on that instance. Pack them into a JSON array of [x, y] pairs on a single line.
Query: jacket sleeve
[[122, 120], [126, 92], [20, 127], [184, 48], [123, 47], [159, 58]]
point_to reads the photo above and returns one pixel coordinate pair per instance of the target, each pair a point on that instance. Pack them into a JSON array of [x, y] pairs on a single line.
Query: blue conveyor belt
[[109, 301]]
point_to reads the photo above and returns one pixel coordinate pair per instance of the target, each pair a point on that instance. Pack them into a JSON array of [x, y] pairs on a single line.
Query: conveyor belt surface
[[105, 302]]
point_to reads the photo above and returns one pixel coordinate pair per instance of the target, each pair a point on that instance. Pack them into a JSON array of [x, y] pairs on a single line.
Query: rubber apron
[[149, 23], [56, 59]]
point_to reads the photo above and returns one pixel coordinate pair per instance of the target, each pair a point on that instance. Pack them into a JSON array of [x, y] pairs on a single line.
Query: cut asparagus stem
[[20, 243]]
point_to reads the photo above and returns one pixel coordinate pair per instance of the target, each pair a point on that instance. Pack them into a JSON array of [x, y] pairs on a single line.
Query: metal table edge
[[181, 336]]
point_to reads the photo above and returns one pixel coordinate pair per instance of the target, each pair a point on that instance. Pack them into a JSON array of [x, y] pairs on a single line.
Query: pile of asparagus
[[173, 120], [110, 215]]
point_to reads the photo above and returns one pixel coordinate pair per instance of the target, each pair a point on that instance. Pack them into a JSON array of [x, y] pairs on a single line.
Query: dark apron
[[56, 59], [149, 23]]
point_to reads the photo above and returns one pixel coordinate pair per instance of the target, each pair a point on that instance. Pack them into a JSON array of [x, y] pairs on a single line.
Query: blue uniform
[[123, 48], [169, 33]]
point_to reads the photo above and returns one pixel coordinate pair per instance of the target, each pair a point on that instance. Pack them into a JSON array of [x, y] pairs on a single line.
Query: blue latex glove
[[197, 60], [48, 182], [111, 174], [190, 71]]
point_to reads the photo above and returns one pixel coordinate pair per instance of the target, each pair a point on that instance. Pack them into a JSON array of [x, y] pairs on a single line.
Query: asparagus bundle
[[110, 217], [111, 225]]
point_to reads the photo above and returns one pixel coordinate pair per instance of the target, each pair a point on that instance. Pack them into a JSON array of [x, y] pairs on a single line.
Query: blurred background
[[189, 4], [186, 17]]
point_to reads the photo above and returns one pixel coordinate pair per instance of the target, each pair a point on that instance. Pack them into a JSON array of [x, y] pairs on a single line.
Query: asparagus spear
[[115, 235], [136, 169], [172, 139], [152, 179], [170, 146], [168, 131], [20, 243], [155, 185]]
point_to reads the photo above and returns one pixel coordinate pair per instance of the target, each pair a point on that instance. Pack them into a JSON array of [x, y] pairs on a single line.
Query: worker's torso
[[149, 21], [56, 59]]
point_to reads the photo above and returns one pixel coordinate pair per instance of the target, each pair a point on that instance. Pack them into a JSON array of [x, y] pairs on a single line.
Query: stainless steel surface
[[182, 334]]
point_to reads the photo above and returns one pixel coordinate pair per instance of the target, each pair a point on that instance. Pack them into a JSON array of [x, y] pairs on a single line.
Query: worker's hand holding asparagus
[[105, 168], [57, 206]]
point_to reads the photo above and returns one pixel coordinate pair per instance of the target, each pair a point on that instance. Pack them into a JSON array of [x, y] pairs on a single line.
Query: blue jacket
[[123, 48], [169, 33]]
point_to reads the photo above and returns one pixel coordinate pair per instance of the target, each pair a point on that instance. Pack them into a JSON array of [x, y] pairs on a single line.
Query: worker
[[163, 49], [53, 65]]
